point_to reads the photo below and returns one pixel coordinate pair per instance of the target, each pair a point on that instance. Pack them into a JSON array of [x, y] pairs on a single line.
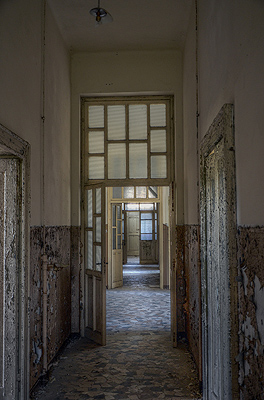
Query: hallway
[[138, 361]]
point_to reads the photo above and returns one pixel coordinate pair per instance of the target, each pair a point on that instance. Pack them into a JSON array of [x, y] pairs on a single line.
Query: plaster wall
[[21, 107], [125, 73], [231, 59], [191, 151]]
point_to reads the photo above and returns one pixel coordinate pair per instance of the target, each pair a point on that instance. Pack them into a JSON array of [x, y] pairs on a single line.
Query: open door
[[95, 285], [117, 257], [148, 242]]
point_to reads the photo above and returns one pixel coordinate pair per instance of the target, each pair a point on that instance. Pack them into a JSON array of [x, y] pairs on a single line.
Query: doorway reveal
[[14, 270], [218, 259]]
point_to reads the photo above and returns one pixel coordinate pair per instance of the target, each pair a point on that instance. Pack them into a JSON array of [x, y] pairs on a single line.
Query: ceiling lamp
[[101, 15]]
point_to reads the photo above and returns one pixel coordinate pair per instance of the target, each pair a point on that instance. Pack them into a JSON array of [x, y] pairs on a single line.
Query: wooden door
[[117, 257], [124, 236], [148, 237], [10, 258], [133, 233], [95, 285], [218, 260]]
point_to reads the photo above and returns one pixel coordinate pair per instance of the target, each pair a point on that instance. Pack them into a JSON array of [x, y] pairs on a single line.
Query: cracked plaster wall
[[251, 312]]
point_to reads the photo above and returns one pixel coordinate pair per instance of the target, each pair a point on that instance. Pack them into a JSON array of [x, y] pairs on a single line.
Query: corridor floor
[[138, 362]]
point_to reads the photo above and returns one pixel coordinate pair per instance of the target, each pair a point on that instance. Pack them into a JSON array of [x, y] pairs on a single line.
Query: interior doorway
[[131, 233], [14, 318], [127, 145]]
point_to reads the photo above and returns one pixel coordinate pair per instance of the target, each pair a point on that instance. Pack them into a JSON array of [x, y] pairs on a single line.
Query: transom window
[[126, 139]]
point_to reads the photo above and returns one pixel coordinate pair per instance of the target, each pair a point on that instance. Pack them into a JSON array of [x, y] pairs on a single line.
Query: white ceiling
[[137, 24]]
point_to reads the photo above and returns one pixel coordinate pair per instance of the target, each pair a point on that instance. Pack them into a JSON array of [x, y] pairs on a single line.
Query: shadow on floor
[[138, 361]]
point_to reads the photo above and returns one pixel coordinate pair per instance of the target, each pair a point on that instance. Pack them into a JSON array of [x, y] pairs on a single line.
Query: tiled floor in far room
[[138, 362]]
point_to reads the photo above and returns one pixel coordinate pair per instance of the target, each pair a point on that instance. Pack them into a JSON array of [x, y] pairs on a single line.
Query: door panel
[[117, 257], [148, 237], [133, 233], [217, 278], [9, 268], [95, 289]]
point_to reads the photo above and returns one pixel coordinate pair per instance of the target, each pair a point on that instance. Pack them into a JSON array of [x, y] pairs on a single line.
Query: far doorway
[[136, 220]]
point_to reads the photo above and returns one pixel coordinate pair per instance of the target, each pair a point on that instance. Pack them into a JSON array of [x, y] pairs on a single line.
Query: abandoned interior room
[[131, 147]]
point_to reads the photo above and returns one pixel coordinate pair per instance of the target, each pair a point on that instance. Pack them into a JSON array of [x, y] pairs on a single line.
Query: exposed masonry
[[251, 312], [62, 250]]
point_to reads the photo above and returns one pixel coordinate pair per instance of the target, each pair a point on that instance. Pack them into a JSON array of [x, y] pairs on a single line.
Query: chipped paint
[[58, 249], [193, 282], [251, 312]]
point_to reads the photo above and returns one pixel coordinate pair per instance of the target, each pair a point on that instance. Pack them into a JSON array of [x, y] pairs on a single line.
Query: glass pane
[[89, 237], [132, 207], [141, 192], [118, 212], [119, 227], [114, 238], [138, 160], [156, 226], [98, 229], [157, 115], [98, 201], [128, 192], [116, 122], [117, 193], [96, 117], [116, 161], [89, 200], [158, 141], [96, 167], [98, 258], [152, 192], [146, 226], [158, 167], [146, 216], [96, 142], [113, 215], [119, 242], [146, 236], [138, 121], [146, 206]]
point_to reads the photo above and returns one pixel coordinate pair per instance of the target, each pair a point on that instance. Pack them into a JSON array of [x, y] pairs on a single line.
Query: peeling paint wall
[[75, 278], [180, 281], [58, 248], [251, 312], [193, 282]]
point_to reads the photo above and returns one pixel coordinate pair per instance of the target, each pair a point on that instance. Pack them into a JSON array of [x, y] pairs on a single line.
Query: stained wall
[[226, 66], [35, 105]]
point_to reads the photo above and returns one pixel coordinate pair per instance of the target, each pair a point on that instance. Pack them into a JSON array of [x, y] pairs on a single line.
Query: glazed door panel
[[95, 286]]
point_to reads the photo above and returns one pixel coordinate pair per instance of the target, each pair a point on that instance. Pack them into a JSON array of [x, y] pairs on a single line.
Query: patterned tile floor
[[138, 362]]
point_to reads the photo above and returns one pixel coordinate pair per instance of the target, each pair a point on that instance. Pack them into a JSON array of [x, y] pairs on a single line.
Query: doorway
[[14, 262], [218, 260], [128, 142]]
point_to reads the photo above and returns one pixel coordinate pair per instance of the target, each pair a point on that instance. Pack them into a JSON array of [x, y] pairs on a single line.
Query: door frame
[[222, 129], [169, 181], [13, 146]]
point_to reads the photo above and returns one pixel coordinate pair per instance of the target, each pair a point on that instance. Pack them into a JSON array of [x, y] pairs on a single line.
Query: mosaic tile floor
[[138, 362]]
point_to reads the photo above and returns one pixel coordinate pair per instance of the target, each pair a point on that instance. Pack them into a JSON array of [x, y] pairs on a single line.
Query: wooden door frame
[[15, 147], [169, 181], [222, 128]]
